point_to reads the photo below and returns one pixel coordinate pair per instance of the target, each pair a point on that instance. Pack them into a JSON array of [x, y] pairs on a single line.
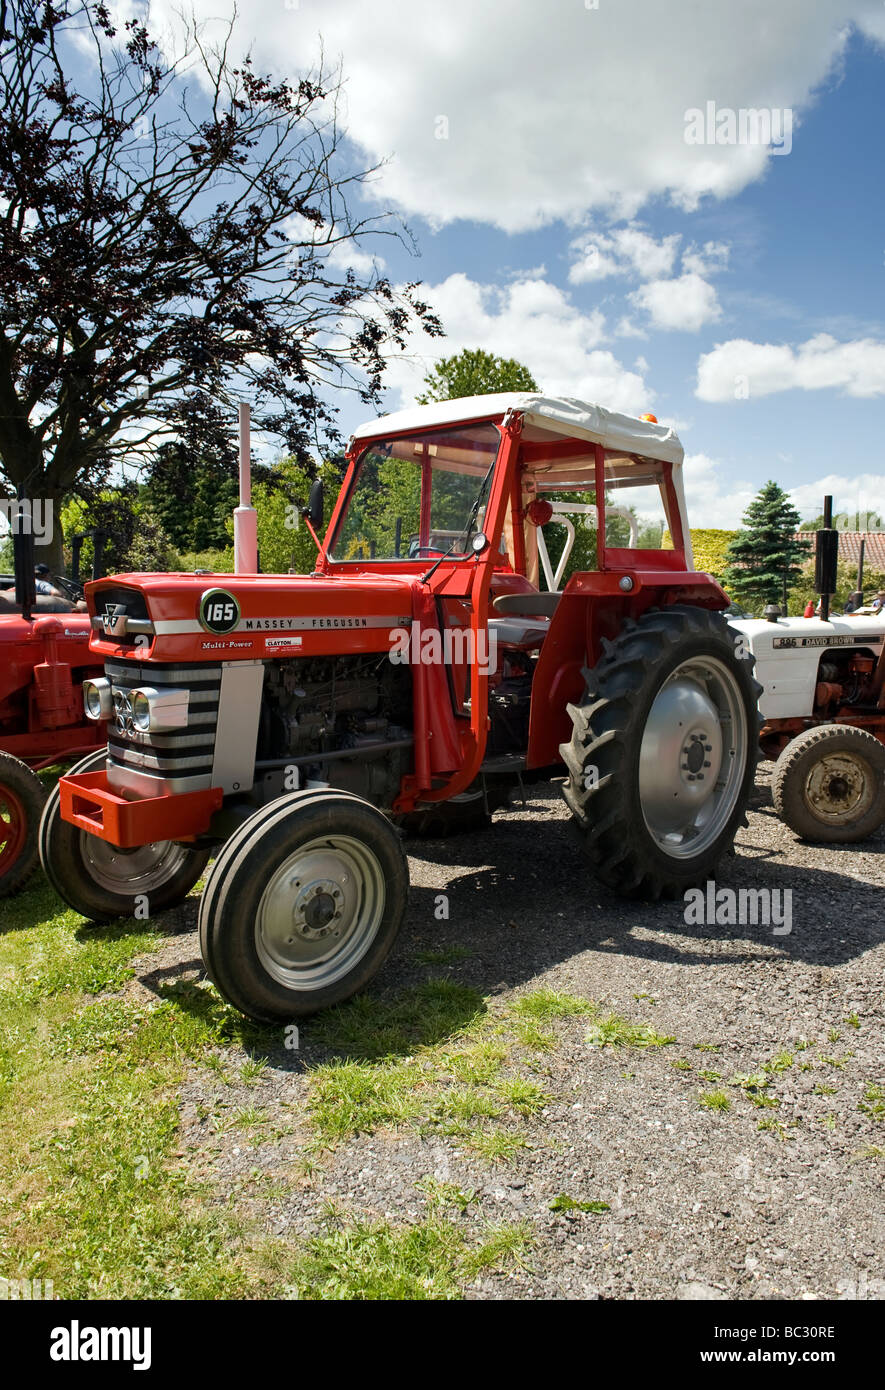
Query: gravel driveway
[[743, 1159]]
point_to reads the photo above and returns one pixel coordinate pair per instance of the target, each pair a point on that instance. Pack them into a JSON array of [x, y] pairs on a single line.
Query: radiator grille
[[182, 753]]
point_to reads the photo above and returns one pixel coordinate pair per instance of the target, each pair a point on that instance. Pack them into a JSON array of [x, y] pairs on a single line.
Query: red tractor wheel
[[21, 805]]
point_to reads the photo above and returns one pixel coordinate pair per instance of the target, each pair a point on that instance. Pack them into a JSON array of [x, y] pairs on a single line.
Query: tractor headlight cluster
[[97, 699], [153, 710]]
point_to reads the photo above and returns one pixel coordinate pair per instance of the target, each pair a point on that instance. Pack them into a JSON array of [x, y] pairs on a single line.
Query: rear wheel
[[663, 754], [829, 784], [102, 881], [303, 904], [22, 797]]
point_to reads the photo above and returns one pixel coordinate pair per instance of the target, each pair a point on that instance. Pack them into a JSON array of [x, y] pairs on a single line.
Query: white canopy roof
[[555, 414]]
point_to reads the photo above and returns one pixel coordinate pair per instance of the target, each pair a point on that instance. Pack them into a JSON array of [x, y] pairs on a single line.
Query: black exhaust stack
[[826, 560], [23, 560]]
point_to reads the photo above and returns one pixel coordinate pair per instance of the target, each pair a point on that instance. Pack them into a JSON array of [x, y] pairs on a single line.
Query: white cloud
[[712, 496], [330, 243], [740, 368], [712, 256], [685, 303], [624, 251], [648, 257], [863, 493], [548, 113], [626, 328], [533, 321], [594, 262]]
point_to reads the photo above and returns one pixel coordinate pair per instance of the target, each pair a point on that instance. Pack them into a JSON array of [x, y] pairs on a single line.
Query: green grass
[[445, 1194], [781, 1062], [445, 955], [435, 1058], [873, 1103], [776, 1127], [546, 1004], [563, 1202], [99, 1194], [714, 1100], [378, 1260], [95, 1192], [496, 1145], [614, 1031]]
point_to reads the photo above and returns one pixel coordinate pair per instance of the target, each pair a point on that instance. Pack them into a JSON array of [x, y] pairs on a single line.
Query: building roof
[[849, 547], [555, 414]]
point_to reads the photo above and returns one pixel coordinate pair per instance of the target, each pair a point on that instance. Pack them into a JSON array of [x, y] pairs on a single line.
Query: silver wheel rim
[[693, 757], [839, 788], [320, 912], [129, 872]]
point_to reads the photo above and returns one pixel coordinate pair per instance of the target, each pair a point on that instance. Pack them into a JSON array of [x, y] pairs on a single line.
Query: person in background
[[42, 584], [878, 601], [854, 601]]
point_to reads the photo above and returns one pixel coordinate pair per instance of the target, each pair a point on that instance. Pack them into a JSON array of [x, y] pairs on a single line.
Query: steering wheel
[[72, 591], [427, 550]]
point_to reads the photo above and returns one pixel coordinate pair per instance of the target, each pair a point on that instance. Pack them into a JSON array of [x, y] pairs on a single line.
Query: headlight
[[158, 709], [97, 702], [141, 710]]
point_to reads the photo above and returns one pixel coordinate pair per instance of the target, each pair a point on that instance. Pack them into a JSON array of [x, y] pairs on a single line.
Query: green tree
[[135, 539], [169, 224], [194, 500], [766, 550], [475, 372], [284, 542]]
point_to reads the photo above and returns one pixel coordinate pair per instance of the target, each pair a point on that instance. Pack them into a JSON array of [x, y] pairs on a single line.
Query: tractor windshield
[[417, 497]]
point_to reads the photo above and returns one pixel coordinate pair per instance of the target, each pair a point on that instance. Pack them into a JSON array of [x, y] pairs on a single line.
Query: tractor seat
[[510, 632], [534, 605]]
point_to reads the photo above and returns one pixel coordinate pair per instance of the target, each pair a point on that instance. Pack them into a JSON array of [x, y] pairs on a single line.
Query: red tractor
[[288, 724], [44, 656]]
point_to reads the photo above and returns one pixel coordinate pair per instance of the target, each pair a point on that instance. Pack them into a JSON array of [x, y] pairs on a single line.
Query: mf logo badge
[[113, 620], [219, 611], [123, 712]]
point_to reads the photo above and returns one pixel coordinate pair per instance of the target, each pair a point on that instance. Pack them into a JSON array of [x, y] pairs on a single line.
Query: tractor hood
[[788, 654], [200, 617]]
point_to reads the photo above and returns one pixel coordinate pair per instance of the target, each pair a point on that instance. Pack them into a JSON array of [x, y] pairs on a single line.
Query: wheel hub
[[839, 788], [131, 871], [691, 757], [317, 907], [320, 912], [13, 827]]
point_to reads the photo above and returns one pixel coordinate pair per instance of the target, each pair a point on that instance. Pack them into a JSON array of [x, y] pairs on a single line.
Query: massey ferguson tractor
[[289, 724], [44, 655], [823, 711]]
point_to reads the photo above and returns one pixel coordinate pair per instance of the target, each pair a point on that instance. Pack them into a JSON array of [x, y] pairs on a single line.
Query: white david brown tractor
[[261, 718], [823, 711]]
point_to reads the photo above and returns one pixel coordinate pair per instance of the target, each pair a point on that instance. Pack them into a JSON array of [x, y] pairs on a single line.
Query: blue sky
[[539, 155]]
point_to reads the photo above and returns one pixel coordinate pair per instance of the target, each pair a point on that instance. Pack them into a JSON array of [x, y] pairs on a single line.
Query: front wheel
[[829, 784], [303, 904], [663, 752], [22, 796], [102, 881]]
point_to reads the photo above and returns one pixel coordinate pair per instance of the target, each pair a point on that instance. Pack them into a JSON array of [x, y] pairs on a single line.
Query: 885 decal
[[219, 611]]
